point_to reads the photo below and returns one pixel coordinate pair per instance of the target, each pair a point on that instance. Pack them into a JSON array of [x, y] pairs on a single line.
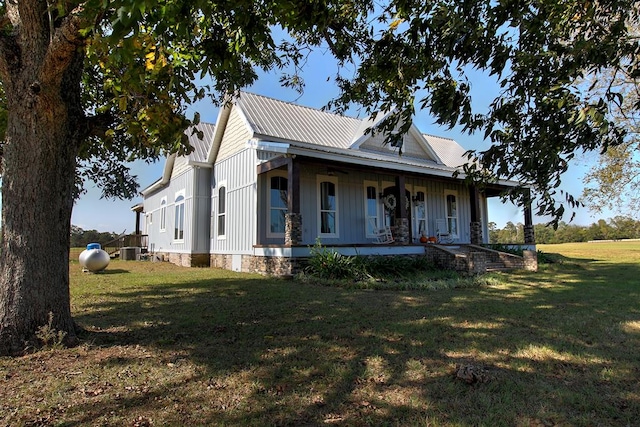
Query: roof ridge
[[438, 136], [293, 104]]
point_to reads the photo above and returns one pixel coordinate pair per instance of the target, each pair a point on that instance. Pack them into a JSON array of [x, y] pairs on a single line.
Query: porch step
[[496, 266]]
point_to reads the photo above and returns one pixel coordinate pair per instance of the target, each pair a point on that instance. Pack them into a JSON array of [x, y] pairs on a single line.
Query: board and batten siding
[[202, 210], [351, 205], [163, 241], [238, 174]]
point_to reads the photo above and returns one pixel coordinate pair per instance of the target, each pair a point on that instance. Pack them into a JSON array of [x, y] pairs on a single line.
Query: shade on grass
[[165, 345]]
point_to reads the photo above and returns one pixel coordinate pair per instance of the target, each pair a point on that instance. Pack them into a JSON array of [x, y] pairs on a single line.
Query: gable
[[413, 145], [236, 134]]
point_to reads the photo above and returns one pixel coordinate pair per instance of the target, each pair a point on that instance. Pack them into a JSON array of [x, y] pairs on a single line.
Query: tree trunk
[[39, 162]]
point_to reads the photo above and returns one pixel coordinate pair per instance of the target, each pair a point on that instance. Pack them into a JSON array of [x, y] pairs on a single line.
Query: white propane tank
[[93, 258]]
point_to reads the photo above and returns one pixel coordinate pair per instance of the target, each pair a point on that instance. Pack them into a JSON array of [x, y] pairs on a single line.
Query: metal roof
[[449, 151], [202, 146], [284, 120]]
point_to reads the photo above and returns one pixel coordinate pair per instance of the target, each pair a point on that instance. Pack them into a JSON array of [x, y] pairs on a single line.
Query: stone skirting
[[268, 266], [185, 260]]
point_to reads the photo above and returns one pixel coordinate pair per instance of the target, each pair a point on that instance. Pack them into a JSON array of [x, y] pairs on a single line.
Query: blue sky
[[92, 212]]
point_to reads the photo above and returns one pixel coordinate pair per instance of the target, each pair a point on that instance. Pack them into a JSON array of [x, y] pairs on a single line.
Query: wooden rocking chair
[[382, 235], [442, 231]]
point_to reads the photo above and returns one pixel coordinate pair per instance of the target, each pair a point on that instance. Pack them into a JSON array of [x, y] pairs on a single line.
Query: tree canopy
[[539, 51], [614, 181], [616, 228]]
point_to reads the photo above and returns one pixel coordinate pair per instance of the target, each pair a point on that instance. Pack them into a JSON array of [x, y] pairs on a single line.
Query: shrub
[[328, 264]]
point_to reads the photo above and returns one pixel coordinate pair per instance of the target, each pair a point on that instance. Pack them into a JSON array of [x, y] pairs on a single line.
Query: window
[[178, 231], [163, 214], [278, 202], [222, 210], [420, 214], [328, 219], [452, 212], [371, 209]]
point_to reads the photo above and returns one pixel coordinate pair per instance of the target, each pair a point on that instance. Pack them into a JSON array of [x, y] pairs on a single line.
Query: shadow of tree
[[554, 346]]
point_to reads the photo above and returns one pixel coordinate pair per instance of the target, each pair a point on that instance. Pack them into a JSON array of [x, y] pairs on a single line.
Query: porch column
[[138, 209], [476, 221], [293, 218], [529, 234], [402, 221], [530, 256]]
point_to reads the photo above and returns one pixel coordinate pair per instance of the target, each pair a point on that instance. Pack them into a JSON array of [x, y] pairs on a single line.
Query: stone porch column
[[476, 222], [529, 234], [476, 233], [292, 229]]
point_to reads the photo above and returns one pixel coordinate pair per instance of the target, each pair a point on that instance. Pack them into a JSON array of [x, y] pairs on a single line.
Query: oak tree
[[614, 181], [89, 83]]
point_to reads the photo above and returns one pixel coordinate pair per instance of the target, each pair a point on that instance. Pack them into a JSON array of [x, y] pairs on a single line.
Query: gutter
[[166, 176]]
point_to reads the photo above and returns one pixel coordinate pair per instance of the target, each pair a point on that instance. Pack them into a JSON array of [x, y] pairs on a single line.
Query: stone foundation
[[184, 260], [268, 266]]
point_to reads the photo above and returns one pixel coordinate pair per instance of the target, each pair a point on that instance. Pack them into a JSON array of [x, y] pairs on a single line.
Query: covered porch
[[363, 203]]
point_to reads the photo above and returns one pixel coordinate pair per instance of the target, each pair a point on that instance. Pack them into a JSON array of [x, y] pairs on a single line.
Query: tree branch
[[63, 47], [98, 125]]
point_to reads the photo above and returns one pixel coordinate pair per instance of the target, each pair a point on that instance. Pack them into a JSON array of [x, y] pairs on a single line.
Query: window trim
[[223, 215], [416, 224], [446, 212], [368, 217], [177, 205], [163, 214], [334, 180], [279, 174]]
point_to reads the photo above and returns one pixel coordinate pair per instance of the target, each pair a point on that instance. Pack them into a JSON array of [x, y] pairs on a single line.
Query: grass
[[166, 345]]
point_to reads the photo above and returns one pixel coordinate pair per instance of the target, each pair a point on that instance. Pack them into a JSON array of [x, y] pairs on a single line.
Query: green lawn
[[166, 345]]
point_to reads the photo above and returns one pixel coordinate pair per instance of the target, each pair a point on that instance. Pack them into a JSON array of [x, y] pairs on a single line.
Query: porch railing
[[128, 240]]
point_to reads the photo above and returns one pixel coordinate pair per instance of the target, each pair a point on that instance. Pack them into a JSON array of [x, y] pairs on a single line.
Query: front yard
[[166, 345]]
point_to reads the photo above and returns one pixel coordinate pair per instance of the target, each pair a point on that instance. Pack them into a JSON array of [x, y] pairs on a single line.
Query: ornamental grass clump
[[325, 263]]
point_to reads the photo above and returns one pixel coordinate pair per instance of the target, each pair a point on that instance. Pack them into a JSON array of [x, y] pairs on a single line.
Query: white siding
[[352, 216], [196, 213], [239, 174]]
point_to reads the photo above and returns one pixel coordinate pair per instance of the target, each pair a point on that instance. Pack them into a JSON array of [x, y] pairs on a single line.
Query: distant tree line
[[81, 238], [617, 228]]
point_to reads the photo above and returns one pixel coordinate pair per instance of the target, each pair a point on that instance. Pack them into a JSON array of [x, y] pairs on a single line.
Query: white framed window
[[222, 211], [420, 213], [371, 208], [163, 214], [451, 211], [178, 229], [328, 206], [277, 200]]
